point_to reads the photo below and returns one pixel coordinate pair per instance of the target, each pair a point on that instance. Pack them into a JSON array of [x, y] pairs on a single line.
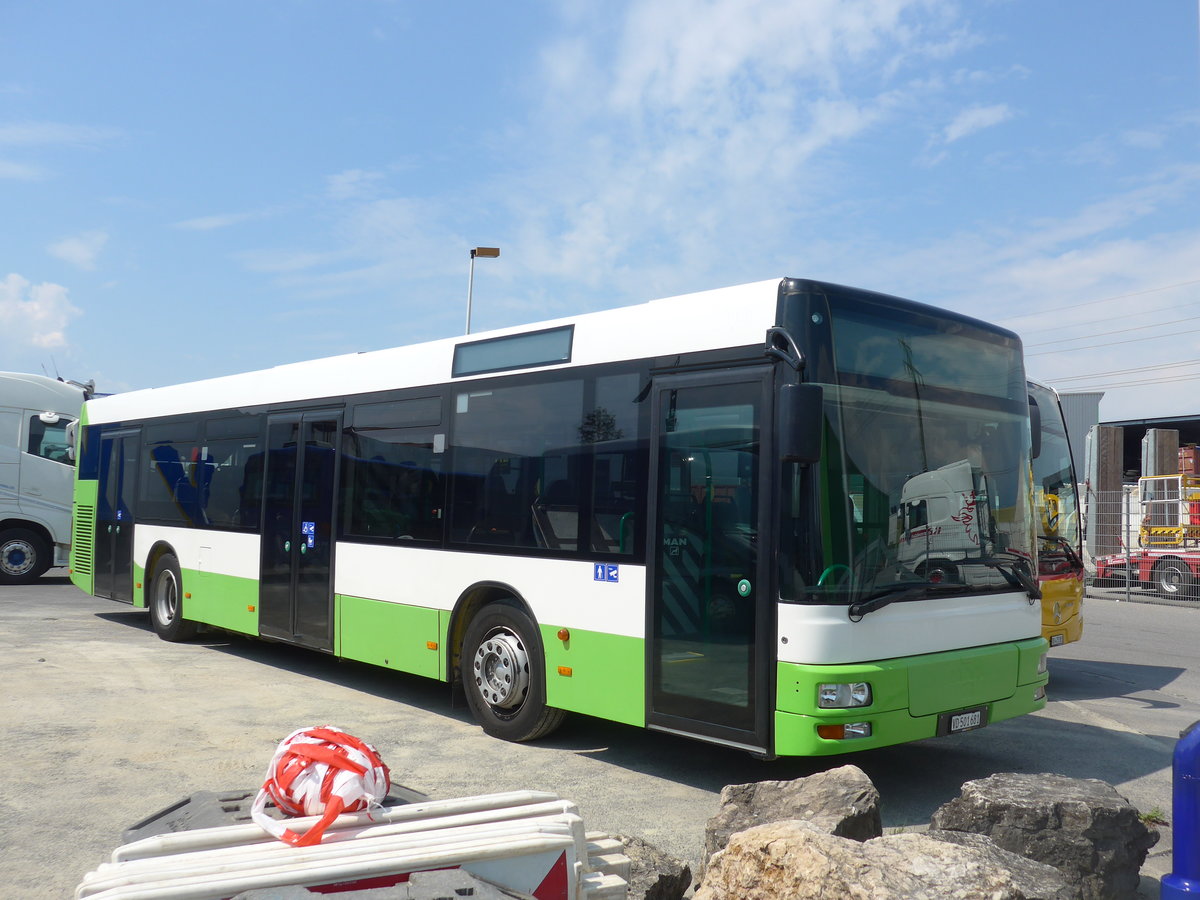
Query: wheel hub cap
[[16, 558], [501, 669]]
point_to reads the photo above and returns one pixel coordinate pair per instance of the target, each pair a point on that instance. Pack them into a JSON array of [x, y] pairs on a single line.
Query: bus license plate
[[967, 720]]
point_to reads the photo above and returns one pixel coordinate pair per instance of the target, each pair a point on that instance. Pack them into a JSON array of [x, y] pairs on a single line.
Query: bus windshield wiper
[[1014, 572], [897, 593], [1067, 547]]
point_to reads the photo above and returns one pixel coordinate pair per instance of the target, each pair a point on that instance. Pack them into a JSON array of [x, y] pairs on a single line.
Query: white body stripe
[[819, 635], [436, 578], [216, 552], [727, 317]]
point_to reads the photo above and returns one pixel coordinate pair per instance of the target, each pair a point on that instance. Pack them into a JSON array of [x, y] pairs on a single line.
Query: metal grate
[[83, 534]]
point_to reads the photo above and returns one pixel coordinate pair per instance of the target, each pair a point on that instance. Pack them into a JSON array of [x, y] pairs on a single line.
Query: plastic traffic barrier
[[522, 841]]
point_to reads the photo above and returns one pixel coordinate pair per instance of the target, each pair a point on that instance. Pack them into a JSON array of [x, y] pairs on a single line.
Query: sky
[[190, 190]]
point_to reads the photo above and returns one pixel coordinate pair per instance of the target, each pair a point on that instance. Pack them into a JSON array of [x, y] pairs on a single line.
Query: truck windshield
[[924, 483]]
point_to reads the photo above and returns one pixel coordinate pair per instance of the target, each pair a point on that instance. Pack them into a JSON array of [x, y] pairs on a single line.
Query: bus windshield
[[1057, 505], [923, 487]]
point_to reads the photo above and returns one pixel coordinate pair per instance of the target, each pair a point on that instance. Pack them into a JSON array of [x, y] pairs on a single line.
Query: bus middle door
[[301, 483]]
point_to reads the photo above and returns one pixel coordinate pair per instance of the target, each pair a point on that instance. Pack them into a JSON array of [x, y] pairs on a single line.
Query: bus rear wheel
[[24, 556], [166, 602], [1173, 579], [504, 675]]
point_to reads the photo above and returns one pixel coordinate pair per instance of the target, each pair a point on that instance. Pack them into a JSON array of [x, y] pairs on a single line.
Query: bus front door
[[708, 664], [113, 564], [296, 579]]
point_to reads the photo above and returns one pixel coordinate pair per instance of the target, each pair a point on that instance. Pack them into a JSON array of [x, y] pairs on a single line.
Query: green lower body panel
[[393, 635], [224, 601], [81, 558], [596, 674], [910, 696]]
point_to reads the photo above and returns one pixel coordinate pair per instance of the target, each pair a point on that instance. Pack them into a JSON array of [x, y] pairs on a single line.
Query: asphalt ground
[[105, 725]]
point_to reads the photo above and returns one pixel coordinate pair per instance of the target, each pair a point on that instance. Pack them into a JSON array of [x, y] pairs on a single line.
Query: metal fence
[[1162, 517]]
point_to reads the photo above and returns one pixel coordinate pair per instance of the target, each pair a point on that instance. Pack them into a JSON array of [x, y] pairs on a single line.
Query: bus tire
[[504, 675], [24, 556], [166, 602], [1173, 579]]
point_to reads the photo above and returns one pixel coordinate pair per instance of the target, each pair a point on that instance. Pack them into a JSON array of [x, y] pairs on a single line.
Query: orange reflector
[[565, 670], [250, 609], [564, 634], [831, 732], [187, 596], [431, 645], [137, 584]]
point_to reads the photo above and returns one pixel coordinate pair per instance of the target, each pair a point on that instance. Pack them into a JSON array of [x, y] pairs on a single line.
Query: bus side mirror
[[1035, 429], [801, 415]]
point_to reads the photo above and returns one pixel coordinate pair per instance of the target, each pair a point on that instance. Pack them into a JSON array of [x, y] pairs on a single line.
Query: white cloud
[[81, 250], [976, 119], [36, 315], [20, 171], [27, 134], [353, 184]]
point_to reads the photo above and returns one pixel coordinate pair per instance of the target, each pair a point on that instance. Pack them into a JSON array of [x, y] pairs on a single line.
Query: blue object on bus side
[[1184, 880]]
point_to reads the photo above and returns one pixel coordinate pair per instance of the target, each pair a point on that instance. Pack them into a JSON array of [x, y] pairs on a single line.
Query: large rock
[[1081, 826], [840, 801], [795, 861], [654, 875]]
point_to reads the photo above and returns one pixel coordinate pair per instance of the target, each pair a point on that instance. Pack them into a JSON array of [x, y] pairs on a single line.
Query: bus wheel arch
[[26, 551], [165, 597], [499, 659]]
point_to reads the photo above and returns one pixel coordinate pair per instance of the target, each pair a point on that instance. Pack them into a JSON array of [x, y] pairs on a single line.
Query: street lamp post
[[487, 253]]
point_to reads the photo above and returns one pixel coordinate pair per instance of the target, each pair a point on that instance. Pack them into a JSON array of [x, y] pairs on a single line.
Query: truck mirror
[[800, 419], [1035, 429]]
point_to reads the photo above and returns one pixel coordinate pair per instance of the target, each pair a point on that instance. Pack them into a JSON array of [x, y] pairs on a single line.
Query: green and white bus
[[687, 515]]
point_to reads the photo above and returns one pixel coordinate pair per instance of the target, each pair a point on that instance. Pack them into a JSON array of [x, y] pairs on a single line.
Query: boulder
[[840, 802], [1081, 826], [793, 860], [653, 874]]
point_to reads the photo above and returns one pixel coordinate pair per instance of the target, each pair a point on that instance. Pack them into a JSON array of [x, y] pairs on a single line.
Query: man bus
[[677, 515]]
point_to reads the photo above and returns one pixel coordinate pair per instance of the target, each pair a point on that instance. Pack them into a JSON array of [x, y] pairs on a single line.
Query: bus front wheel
[[166, 602], [1173, 579], [24, 556], [504, 676]]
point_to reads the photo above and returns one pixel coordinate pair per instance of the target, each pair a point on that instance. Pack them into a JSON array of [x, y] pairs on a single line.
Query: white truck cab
[[37, 471]]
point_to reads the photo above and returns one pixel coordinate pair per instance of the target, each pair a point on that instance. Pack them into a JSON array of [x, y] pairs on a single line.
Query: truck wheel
[[166, 602], [24, 556], [504, 676], [1173, 579]]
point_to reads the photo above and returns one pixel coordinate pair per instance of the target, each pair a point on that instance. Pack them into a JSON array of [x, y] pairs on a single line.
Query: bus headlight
[[1043, 663], [843, 696]]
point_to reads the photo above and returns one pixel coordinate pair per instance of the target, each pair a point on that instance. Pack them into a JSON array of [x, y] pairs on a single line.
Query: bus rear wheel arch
[[503, 673], [25, 555], [1174, 579], [166, 602]]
